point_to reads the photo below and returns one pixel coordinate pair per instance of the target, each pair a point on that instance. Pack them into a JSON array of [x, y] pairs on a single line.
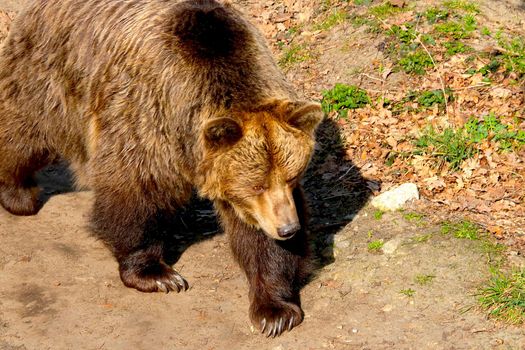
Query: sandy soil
[[59, 287]]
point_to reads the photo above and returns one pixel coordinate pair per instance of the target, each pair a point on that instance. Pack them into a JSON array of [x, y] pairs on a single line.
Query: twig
[[385, 24], [373, 78], [346, 173], [482, 85], [418, 39]]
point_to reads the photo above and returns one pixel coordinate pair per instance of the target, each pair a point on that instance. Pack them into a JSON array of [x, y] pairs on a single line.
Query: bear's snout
[[276, 214], [288, 231]]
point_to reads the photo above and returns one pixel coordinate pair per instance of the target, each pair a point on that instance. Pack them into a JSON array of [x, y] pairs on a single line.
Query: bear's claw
[[277, 328], [155, 277], [277, 318], [175, 282], [162, 287]]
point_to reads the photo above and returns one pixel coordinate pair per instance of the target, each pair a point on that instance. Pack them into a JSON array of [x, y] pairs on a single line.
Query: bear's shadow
[[334, 188]]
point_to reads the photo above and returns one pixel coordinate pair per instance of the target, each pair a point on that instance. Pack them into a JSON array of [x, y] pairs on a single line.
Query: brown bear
[[148, 99]]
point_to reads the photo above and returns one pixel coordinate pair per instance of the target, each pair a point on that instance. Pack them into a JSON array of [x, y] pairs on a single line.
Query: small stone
[[497, 341], [341, 242], [279, 347], [391, 246], [355, 330], [501, 93], [396, 198], [387, 308]]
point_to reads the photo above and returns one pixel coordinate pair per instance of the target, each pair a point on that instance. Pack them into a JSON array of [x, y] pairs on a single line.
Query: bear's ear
[[305, 116], [222, 132]]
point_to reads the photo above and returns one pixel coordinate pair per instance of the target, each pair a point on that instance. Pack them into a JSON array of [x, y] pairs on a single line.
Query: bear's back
[[142, 69], [86, 44], [87, 34]]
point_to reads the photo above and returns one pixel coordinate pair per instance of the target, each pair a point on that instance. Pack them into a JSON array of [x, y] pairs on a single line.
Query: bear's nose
[[287, 231]]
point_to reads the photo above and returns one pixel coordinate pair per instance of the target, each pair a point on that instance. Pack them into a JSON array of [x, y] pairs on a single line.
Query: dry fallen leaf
[[497, 231], [434, 183]]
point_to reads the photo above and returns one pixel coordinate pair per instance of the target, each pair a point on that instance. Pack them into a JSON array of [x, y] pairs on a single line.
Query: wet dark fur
[[125, 91]]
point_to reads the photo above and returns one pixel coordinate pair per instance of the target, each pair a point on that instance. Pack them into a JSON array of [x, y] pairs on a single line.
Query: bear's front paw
[[273, 318], [155, 277]]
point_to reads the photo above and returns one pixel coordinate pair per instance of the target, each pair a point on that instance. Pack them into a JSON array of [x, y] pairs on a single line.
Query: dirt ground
[[59, 287]]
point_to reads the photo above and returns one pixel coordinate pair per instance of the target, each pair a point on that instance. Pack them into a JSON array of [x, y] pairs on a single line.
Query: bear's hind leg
[[19, 193], [129, 224], [275, 270]]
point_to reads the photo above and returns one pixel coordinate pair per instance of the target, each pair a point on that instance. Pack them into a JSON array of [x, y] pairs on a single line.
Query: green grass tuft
[[457, 29], [413, 217], [463, 229], [343, 98], [504, 297], [491, 67], [453, 146], [434, 15], [375, 246], [454, 47], [467, 6], [362, 2], [431, 98], [416, 62], [332, 20], [513, 57], [294, 54], [386, 10], [408, 292], [421, 238], [424, 280], [492, 127], [378, 214], [493, 251], [449, 146], [486, 31], [373, 25], [405, 34]]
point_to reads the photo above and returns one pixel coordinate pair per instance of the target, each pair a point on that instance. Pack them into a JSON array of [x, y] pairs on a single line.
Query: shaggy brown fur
[[147, 99]]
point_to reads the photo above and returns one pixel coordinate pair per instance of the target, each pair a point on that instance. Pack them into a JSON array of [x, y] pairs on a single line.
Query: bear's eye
[[292, 181], [259, 189]]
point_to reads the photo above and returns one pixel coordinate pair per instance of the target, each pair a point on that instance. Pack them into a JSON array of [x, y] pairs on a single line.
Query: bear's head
[[254, 160]]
